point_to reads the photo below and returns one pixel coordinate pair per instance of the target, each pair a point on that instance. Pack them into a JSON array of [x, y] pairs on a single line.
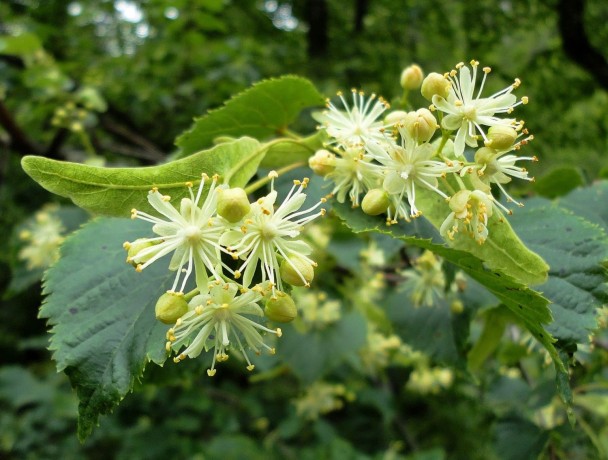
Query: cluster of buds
[[381, 163], [225, 242]]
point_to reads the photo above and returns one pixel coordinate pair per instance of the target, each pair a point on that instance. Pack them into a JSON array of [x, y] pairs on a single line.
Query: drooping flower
[[191, 233], [353, 174], [219, 320], [467, 111], [406, 167], [42, 236], [268, 236], [425, 280], [357, 124], [470, 212]]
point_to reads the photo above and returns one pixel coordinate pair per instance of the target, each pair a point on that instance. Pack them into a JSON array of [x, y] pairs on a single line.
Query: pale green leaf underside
[[528, 305], [290, 151], [264, 110], [115, 191], [503, 250], [104, 330], [576, 250]]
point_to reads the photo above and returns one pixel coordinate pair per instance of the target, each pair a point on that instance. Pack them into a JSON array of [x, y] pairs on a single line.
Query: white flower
[[218, 320], [268, 234], [498, 166], [467, 111], [425, 280], [407, 166], [357, 124], [43, 237], [353, 174], [192, 234]]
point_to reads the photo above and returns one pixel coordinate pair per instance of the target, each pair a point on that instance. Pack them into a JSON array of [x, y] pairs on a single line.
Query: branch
[[150, 151], [575, 42]]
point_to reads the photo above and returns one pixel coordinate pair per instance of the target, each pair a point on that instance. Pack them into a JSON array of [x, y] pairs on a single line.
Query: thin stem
[[86, 142], [264, 180]]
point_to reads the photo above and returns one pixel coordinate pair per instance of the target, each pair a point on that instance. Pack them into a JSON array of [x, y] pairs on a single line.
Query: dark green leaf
[[115, 191], [558, 182], [264, 110], [527, 305], [575, 250], [104, 330]]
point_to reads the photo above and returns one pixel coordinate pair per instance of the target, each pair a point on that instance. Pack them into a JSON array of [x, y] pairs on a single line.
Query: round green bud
[[135, 247], [458, 202], [395, 117], [501, 137], [322, 162], [484, 155], [421, 124], [375, 202], [232, 204], [457, 307], [411, 77], [297, 271], [281, 308], [435, 84], [170, 307]]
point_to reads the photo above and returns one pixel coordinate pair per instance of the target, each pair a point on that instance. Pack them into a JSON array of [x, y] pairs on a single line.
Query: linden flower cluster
[[223, 241], [386, 162]]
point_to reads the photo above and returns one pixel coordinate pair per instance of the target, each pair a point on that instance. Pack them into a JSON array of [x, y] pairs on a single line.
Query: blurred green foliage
[[116, 81]]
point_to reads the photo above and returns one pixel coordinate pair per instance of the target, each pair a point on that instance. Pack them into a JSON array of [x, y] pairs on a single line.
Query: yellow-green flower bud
[[484, 155], [170, 307], [458, 203], [457, 307], [297, 271], [134, 248], [411, 77], [375, 202], [395, 117], [232, 204], [322, 162], [421, 124], [435, 84], [281, 308], [501, 137]]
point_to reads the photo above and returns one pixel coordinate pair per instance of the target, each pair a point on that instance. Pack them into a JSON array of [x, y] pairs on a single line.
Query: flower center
[[192, 233], [269, 231], [469, 112]]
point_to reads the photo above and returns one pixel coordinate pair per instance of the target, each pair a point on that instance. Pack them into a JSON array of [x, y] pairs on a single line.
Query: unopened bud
[[411, 77], [501, 137], [435, 84], [232, 204], [484, 155], [395, 117], [170, 307], [457, 307], [135, 247], [375, 202], [421, 124], [297, 271], [322, 162], [458, 203], [281, 308]]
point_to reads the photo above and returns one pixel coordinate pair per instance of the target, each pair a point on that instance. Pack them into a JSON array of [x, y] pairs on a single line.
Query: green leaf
[[502, 250], [589, 203], [558, 182], [115, 191], [528, 306], [264, 110], [324, 349], [495, 323], [104, 330], [20, 45], [428, 329], [292, 151], [576, 250]]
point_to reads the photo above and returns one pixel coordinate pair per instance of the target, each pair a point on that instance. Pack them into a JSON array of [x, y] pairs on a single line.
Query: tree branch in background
[[361, 7], [317, 19], [575, 42], [150, 150]]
